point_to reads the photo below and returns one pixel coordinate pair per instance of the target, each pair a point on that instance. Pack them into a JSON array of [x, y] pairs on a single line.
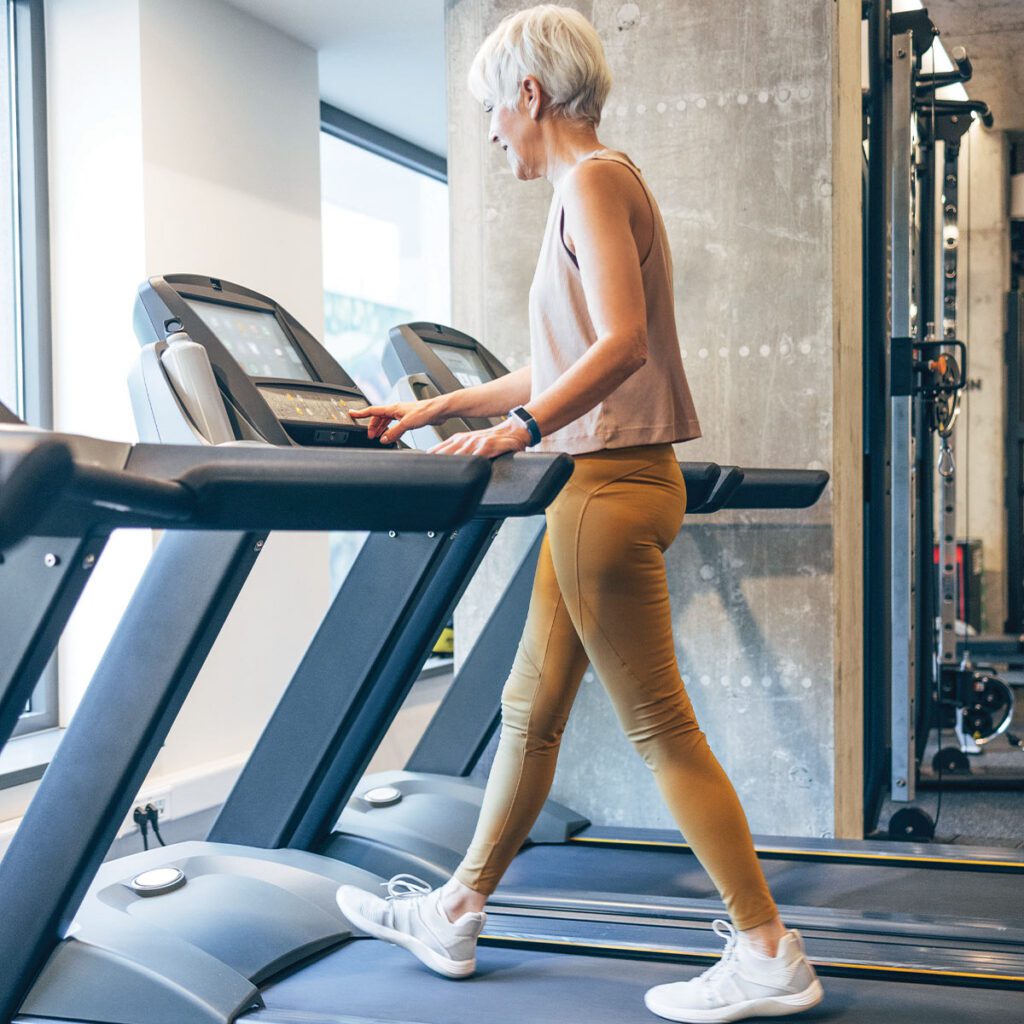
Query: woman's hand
[[390, 422], [500, 440]]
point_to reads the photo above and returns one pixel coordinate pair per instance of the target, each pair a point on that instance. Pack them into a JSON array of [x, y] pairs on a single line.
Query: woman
[[605, 383]]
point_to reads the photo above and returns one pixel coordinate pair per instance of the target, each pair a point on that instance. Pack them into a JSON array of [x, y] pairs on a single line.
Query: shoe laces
[[724, 930], [406, 887]]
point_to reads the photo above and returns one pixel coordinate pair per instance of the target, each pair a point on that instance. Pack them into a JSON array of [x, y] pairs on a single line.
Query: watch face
[[529, 422]]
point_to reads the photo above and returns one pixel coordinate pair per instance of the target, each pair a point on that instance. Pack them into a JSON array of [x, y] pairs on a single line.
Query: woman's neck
[[566, 145]]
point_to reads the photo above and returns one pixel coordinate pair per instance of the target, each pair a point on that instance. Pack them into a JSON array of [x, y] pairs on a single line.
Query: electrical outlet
[[161, 801]]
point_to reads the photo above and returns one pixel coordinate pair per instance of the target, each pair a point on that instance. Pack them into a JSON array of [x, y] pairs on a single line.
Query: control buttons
[[157, 881], [383, 796]]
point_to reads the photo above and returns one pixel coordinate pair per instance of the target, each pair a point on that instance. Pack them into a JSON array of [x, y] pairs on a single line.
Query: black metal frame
[[43, 578], [877, 559], [461, 728], [284, 800], [348, 128]]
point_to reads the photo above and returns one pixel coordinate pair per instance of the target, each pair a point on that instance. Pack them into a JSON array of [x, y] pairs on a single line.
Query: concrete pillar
[[746, 121], [981, 314]]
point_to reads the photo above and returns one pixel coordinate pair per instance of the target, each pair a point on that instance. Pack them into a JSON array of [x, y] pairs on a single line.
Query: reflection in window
[[385, 262], [385, 231], [385, 244]]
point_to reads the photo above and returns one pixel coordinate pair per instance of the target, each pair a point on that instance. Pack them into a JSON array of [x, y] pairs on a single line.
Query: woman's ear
[[533, 97]]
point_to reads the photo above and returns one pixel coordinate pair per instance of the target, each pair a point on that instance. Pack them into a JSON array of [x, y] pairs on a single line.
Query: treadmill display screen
[[303, 406], [466, 364], [254, 338]]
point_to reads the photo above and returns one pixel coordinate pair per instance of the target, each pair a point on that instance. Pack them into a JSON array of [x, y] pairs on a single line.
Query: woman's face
[[518, 133]]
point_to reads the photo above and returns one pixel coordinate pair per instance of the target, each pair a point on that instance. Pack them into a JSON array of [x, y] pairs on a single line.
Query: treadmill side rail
[[41, 581], [379, 839], [199, 953], [118, 729]]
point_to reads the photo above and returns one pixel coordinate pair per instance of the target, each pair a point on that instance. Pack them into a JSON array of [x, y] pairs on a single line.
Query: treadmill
[[683, 938], [843, 895], [254, 934], [61, 497]]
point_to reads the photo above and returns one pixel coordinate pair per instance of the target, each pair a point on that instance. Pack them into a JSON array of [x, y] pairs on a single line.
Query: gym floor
[[978, 818]]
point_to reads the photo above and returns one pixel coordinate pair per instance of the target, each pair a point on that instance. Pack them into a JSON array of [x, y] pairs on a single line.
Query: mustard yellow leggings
[[601, 596]]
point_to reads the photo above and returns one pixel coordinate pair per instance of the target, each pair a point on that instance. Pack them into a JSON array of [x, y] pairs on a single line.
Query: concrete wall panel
[[728, 109]]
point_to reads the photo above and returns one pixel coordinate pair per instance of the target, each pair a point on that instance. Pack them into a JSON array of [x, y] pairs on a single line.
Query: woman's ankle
[[764, 938], [458, 899]]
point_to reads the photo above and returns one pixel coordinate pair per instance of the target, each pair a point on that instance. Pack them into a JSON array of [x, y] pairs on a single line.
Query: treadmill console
[[222, 363], [466, 364], [422, 360], [311, 415]]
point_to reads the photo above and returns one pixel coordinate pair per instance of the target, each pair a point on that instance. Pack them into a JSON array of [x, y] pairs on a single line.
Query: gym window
[[25, 378], [385, 241], [385, 248]]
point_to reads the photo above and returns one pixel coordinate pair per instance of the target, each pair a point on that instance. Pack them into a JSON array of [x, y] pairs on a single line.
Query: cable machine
[[918, 678]]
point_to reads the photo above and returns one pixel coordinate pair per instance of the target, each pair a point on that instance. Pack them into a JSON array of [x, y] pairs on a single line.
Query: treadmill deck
[[367, 981], [861, 888]]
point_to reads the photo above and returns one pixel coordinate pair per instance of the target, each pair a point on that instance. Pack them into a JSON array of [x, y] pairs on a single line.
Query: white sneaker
[[742, 984], [412, 917]]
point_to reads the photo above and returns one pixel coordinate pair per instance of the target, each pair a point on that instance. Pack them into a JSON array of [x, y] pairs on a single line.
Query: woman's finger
[[371, 410], [450, 446], [395, 430]]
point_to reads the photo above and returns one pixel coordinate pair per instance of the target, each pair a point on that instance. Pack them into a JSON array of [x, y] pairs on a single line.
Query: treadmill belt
[[366, 981], [866, 888]]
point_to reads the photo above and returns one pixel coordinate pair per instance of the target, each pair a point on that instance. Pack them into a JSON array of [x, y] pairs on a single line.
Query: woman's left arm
[[599, 204]]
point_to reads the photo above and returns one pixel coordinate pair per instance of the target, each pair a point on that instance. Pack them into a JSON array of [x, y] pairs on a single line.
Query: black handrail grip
[[32, 478]]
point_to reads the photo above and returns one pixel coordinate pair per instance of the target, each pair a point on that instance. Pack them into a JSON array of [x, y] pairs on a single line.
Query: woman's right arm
[[495, 398]]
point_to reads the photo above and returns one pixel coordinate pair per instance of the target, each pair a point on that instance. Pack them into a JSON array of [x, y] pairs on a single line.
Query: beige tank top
[[653, 406]]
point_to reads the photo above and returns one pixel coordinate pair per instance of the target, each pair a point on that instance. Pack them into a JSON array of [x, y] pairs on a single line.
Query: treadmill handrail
[[33, 473], [318, 490], [117, 489], [779, 488], [257, 488], [700, 479], [523, 484], [724, 489]]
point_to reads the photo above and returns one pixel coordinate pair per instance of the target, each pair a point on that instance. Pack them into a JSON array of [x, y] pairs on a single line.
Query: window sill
[[25, 758]]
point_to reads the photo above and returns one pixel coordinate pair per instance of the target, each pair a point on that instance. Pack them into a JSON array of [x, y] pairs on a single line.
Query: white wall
[[231, 149], [184, 137], [96, 252]]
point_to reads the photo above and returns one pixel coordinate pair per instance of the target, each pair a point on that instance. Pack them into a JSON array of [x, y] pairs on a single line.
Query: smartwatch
[[519, 413]]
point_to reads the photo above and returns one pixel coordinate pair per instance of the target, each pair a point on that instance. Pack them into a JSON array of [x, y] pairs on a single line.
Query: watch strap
[[520, 413]]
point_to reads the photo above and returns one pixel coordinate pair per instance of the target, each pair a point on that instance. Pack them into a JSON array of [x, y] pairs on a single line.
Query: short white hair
[[559, 47]]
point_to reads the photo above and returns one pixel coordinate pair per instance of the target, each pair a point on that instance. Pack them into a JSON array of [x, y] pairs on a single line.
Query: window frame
[[383, 143], [31, 237]]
